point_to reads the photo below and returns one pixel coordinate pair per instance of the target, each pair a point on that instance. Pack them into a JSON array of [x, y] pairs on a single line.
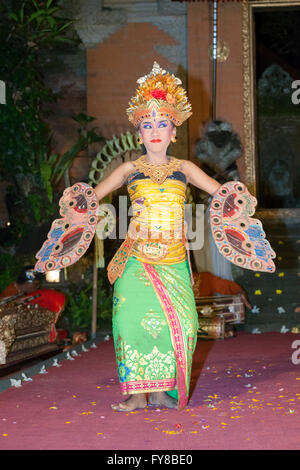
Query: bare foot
[[132, 403], [162, 399]]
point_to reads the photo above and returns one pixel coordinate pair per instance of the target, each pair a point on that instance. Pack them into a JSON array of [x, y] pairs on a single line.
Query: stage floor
[[245, 395]]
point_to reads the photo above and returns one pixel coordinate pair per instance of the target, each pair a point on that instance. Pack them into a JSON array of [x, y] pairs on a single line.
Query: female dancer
[[155, 320]]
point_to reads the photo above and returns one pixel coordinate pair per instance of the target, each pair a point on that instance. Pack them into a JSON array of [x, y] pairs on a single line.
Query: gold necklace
[[158, 173]]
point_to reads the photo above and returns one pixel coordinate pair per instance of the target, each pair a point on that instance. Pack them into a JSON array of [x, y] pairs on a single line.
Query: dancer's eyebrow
[[148, 122]]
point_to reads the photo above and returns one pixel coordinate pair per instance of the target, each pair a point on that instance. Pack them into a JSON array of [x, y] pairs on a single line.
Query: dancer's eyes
[[149, 126]]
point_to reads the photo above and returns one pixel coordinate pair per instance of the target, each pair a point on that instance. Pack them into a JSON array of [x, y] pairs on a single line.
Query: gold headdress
[[159, 94]]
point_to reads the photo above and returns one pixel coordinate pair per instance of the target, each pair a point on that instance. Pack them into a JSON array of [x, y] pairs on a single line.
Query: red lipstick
[[156, 140]]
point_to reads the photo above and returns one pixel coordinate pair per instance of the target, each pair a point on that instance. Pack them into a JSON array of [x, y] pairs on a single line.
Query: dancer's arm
[[199, 178], [114, 181]]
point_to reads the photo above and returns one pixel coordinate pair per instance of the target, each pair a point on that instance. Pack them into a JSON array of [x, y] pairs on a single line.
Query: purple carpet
[[245, 395]]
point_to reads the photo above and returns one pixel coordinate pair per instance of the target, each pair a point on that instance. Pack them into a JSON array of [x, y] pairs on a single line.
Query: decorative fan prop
[[238, 237], [70, 236]]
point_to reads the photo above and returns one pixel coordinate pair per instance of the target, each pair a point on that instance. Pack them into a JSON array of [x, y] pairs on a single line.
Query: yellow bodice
[[157, 194]]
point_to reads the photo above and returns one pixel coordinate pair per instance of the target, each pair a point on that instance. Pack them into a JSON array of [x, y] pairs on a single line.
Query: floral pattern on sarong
[[123, 372], [160, 365], [153, 323], [141, 275], [152, 366], [118, 300]]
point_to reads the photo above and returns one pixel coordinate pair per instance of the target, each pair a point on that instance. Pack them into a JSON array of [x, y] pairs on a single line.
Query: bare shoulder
[[184, 164], [124, 168], [127, 168], [197, 177], [187, 166]]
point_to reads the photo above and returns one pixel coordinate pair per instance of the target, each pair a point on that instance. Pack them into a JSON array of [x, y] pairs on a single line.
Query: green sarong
[[155, 326]]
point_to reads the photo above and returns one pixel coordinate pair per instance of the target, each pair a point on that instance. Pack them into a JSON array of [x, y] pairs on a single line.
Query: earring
[[173, 139], [140, 140]]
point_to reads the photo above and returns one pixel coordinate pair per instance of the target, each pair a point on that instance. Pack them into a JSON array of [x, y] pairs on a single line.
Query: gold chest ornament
[[157, 173]]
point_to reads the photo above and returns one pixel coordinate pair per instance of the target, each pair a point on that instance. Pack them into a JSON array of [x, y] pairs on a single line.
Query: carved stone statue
[[217, 151], [275, 81]]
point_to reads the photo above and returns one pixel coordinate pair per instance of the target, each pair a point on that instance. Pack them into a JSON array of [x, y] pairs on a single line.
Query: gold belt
[[152, 249]]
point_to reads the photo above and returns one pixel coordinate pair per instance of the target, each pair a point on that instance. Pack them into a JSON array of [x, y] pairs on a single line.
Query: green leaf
[[52, 10], [35, 4], [66, 25], [51, 21], [46, 172], [64, 163], [52, 158], [35, 15], [13, 16], [69, 41], [93, 137], [22, 14]]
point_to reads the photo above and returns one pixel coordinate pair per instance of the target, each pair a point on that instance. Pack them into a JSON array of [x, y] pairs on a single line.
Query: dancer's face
[[156, 134]]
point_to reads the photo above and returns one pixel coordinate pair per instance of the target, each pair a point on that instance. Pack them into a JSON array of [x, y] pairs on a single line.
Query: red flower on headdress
[[159, 94]]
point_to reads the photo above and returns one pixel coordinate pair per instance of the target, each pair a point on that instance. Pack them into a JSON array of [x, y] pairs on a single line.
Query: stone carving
[[218, 151], [275, 81]]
